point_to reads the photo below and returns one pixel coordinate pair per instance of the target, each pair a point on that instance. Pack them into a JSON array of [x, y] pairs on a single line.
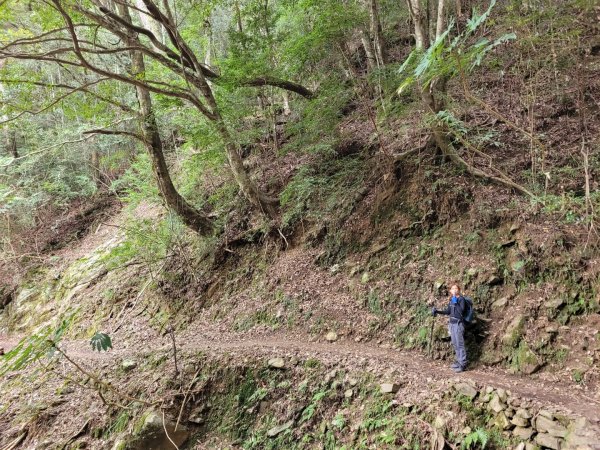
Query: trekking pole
[[431, 337]]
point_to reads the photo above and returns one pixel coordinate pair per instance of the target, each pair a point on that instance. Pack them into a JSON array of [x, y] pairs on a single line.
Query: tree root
[[448, 150]]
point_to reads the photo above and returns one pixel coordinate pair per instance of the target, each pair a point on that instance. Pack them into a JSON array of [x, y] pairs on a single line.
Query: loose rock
[[331, 336], [546, 440], [466, 389], [276, 363], [128, 365], [552, 427], [524, 433], [496, 405], [389, 388], [279, 429]]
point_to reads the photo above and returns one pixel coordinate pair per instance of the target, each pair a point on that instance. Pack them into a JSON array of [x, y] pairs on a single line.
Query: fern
[[446, 60], [479, 436]]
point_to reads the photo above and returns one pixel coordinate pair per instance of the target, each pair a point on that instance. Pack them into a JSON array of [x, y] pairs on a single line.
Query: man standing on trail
[[456, 325]]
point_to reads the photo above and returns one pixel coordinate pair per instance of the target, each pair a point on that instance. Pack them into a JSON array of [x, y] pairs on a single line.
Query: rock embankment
[[533, 426]]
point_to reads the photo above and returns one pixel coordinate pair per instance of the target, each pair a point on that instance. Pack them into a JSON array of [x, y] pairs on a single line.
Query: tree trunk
[[149, 129], [11, 143], [248, 187], [369, 51], [95, 163], [286, 104], [440, 24], [419, 18], [376, 35], [148, 22]]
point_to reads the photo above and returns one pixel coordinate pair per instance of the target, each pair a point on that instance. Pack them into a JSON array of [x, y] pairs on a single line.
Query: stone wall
[[534, 426]]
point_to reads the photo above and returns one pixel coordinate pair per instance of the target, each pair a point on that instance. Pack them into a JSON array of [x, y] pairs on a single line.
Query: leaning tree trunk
[[248, 187], [149, 128]]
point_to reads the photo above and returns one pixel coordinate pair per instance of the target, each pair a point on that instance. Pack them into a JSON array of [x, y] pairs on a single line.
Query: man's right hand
[[433, 311]]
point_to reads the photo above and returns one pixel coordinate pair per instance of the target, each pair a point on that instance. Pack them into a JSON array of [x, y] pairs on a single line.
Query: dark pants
[[457, 334]]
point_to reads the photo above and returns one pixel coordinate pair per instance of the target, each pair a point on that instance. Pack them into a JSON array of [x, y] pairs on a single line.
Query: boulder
[[514, 330], [502, 421], [582, 435], [466, 389], [496, 405], [330, 376], [552, 427], [519, 421], [548, 441], [523, 413], [493, 280], [501, 395], [198, 415], [280, 429], [554, 303], [276, 363], [500, 303], [523, 433]]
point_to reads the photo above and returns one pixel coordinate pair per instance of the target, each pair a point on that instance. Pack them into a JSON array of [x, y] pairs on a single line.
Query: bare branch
[[51, 104], [74, 88], [283, 84], [114, 132]]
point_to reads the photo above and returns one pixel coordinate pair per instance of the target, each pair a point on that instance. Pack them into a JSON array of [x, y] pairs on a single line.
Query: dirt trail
[[420, 373]]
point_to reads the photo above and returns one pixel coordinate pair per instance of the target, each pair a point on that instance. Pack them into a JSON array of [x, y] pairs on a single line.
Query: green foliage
[[37, 346], [101, 342], [476, 439], [147, 240], [446, 60], [325, 191], [138, 183]]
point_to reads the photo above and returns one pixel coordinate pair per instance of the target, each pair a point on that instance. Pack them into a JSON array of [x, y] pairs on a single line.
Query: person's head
[[454, 290]]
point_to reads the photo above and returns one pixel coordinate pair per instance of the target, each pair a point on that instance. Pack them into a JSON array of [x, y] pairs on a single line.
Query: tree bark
[[148, 22], [95, 163], [11, 143], [283, 84], [419, 18], [248, 187], [152, 140], [376, 35], [440, 24], [369, 51], [286, 104]]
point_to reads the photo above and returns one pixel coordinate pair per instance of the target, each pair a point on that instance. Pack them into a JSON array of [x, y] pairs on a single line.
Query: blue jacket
[[456, 309]]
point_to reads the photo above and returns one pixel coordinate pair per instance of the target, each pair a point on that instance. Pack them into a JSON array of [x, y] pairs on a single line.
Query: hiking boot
[[459, 369], [455, 365]]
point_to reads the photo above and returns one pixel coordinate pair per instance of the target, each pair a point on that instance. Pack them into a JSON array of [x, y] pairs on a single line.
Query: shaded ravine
[[352, 354]]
